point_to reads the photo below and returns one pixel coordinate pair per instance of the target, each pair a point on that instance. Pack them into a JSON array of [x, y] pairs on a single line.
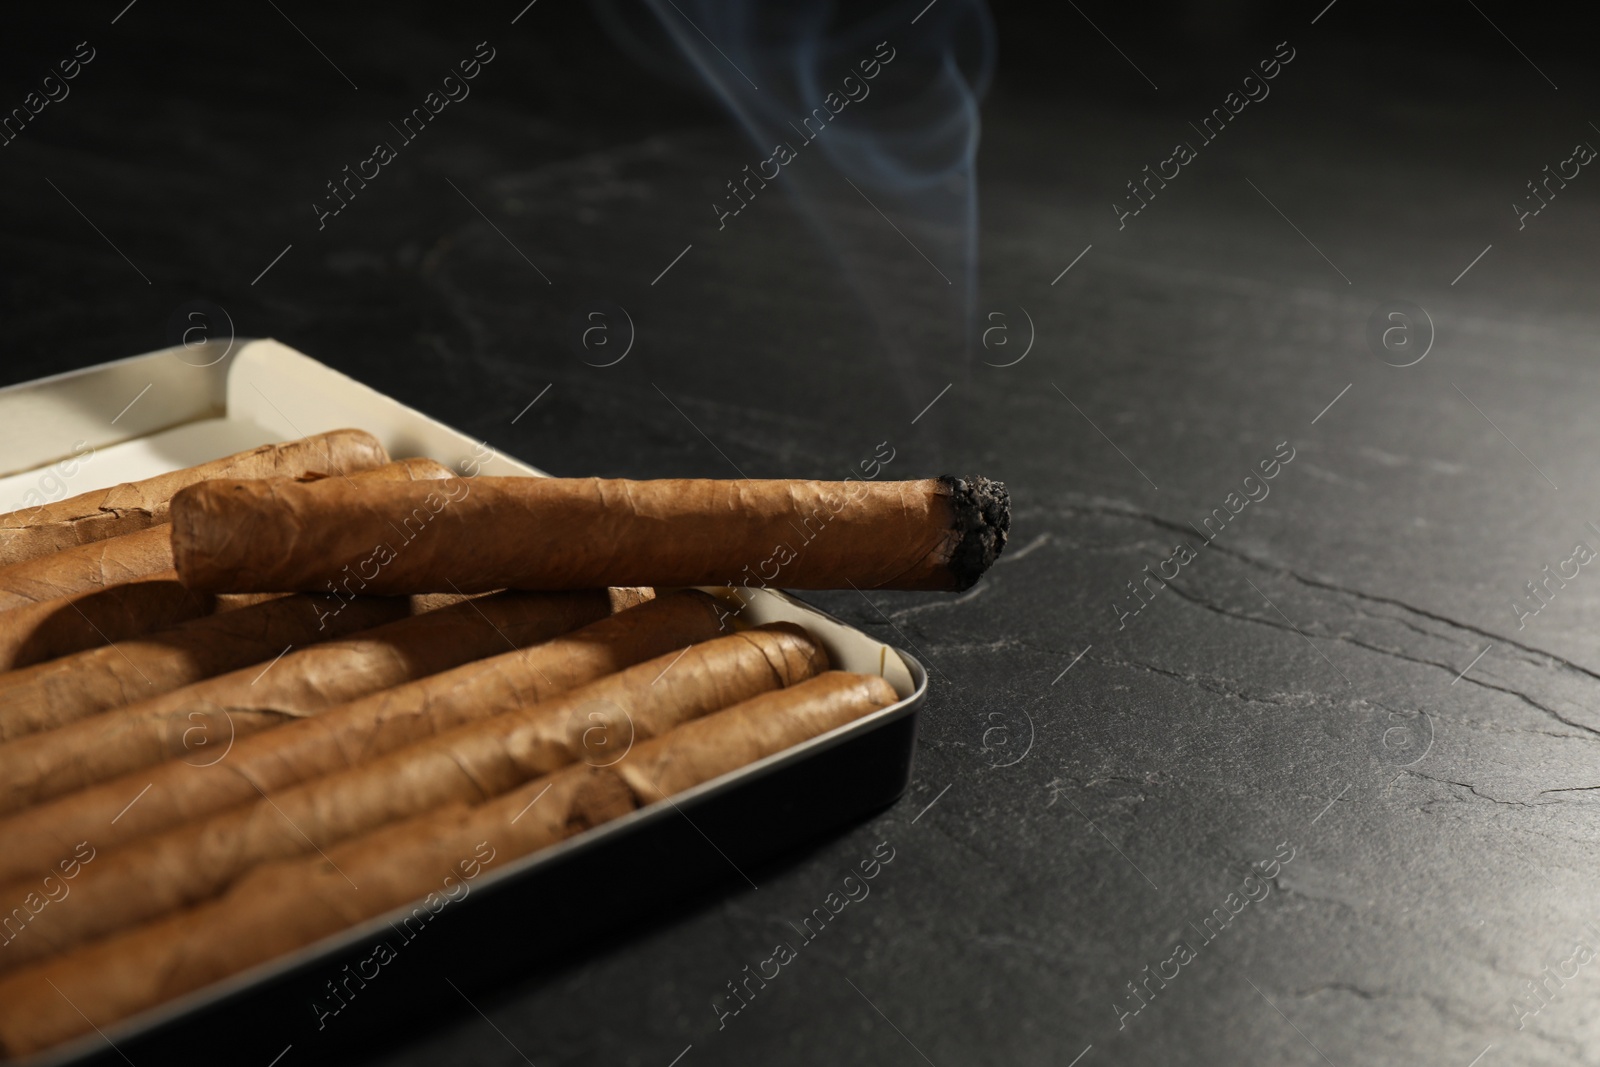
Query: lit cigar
[[555, 533], [114, 560], [430, 859], [471, 764], [133, 506], [336, 739]]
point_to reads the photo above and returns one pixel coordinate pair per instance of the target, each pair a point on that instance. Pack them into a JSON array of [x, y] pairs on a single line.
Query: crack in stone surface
[[1471, 789], [1210, 684], [1351, 640], [1332, 587]]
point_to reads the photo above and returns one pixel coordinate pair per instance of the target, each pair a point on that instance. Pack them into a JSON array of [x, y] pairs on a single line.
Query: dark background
[[1301, 682]]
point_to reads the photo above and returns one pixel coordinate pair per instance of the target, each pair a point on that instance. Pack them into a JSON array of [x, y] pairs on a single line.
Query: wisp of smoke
[[868, 114]]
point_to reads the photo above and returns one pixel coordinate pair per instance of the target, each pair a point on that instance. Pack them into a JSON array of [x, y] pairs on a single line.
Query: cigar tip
[[982, 510]]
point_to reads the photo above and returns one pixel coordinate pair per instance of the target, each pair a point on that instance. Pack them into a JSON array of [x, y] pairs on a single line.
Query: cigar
[[114, 560], [430, 860], [86, 567], [598, 723], [133, 506], [198, 722], [33, 633], [708, 748], [61, 691], [50, 629], [182, 790], [556, 533]]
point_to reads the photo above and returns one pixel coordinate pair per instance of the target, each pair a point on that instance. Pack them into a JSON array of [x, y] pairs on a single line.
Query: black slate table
[[1327, 795]]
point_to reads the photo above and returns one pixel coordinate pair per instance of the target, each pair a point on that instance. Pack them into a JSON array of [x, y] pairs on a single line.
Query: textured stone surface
[[1095, 791]]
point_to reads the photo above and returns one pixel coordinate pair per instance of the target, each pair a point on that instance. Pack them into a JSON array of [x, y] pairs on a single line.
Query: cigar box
[[136, 417]]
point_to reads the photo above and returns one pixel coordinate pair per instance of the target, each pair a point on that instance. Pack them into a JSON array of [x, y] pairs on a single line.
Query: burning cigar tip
[[982, 510]]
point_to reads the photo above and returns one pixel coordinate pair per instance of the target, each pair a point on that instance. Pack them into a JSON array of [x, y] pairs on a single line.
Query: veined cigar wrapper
[[559, 533], [65, 690], [102, 563], [33, 633], [598, 723], [754, 729], [182, 791], [39, 631], [133, 506], [86, 567], [286, 905], [198, 722], [53, 694]]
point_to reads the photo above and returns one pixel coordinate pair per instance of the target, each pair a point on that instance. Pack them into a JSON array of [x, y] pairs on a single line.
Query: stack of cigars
[[249, 704]]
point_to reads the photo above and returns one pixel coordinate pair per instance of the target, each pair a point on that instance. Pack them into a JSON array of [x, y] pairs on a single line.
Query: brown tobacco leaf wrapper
[[560, 533], [49, 695], [33, 633], [86, 567], [598, 723], [708, 748], [99, 564], [430, 860], [351, 734], [65, 690], [199, 722], [133, 506]]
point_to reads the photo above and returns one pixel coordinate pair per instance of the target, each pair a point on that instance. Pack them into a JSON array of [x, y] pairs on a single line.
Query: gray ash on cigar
[[982, 516]]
